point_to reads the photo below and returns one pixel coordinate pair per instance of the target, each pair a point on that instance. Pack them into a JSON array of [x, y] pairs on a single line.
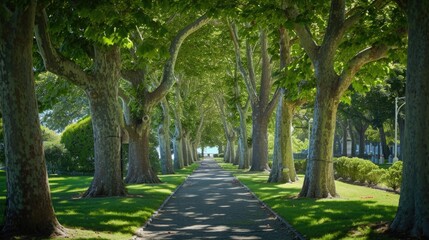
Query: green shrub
[[155, 162], [341, 167], [49, 135], [393, 176], [355, 169], [374, 177], [57, 157], [300, 165], [78, 140]]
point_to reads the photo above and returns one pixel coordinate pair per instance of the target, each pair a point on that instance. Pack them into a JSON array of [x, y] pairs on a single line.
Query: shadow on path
[[212, 204]]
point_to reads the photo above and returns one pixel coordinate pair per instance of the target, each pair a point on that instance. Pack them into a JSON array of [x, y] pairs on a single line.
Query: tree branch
[[367, 55], [135, 77], [265, 88], [168, 73], [125, 101], [272, 104], [53, 60], [334, 31], [250, 89], [304, 34]]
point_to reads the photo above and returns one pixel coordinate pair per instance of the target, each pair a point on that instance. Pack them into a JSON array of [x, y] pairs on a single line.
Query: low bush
[[57, 157], [79, 141], [374, 177], [300, 165], [354, 169], [393, 176]]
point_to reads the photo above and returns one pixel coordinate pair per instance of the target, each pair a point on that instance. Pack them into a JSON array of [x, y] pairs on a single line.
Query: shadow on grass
[[352, 216], [111, 214]]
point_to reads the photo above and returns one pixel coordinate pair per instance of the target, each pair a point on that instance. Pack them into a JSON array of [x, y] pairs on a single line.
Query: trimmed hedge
[[364, 171], [354, 169], [57, 157], [78, 140], [300, 165], [393, 176]]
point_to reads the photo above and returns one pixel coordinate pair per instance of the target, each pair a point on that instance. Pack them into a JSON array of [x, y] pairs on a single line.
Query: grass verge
[[357, 214], [104, 218]]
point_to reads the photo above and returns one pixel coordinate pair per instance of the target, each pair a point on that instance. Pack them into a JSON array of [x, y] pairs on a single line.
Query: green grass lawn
[[348, 217], [104, 218]]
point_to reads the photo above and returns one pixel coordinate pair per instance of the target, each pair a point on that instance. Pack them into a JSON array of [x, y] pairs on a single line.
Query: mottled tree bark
[[185, 150], [164, 140], [105, 113], [319, 178], [262, 105], [101, 87], [283, 164], [412, 217], [139, 166], [29, 210], [178, 135], [149, 99]]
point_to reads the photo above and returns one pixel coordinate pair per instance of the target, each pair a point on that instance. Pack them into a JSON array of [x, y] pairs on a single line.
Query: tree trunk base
[[97, 191], [15, 231], [141, 179]]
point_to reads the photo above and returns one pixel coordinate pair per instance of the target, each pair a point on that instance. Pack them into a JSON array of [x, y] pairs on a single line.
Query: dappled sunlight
[[220, 207], [324, 218], [104, 218]]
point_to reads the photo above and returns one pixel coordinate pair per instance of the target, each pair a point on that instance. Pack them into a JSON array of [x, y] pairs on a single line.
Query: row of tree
[[83, 44]]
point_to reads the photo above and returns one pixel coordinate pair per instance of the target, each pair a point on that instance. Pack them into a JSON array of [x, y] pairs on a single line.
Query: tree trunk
[[231, 150], [243, 152], [385, 149], [345, 136], [101, 87], [401, 123], [164, 140], [165, 151], [178, 134], [412, 217], [178, 154], [319, 176], [190, 153], [237, 155], [139, 166], [185, 150], [353, 138], [29, 208], [361, 129], [103, 100], [259, 142], [284, 168]]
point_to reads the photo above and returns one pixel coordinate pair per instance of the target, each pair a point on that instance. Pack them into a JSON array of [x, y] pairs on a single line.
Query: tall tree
[[331, 83], [412, 217], [101, 87], [230, 134], [164, 139], [139, 170], [261, 102], [294, 93], [29, 209]]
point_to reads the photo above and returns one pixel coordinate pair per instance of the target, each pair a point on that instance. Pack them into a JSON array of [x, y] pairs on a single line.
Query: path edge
[[281, 219], [139, 232]]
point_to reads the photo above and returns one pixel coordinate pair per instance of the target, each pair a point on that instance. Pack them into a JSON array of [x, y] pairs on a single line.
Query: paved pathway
[[212, 204]]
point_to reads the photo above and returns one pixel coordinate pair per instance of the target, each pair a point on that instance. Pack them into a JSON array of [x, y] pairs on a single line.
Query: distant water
[[209, 150]]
